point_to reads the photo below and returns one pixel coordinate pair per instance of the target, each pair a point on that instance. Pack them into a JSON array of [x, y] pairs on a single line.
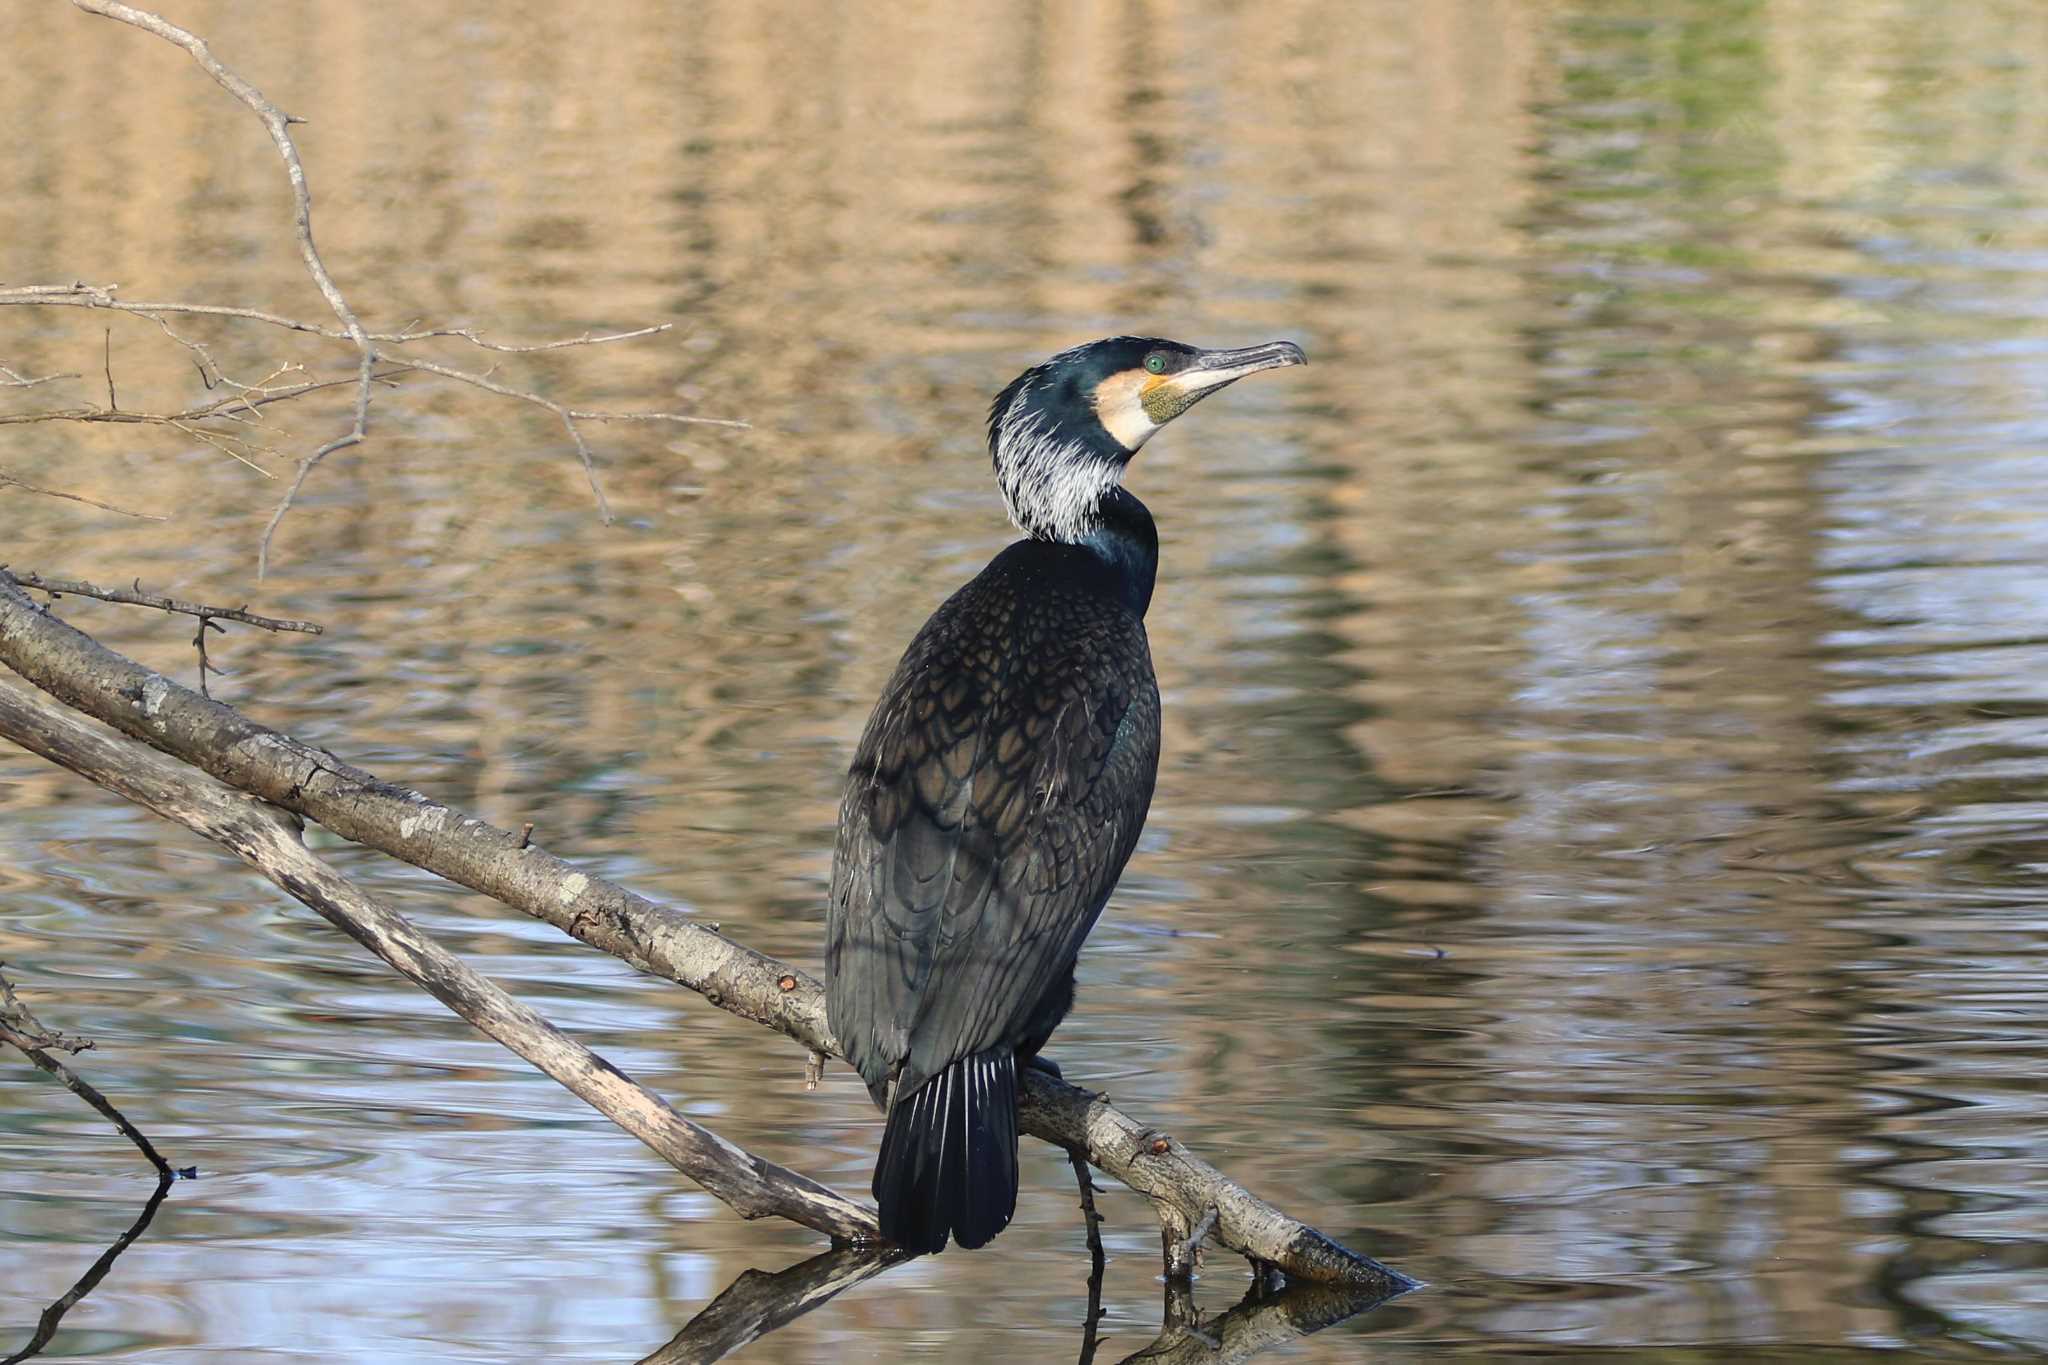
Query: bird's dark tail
[[948, 1165]]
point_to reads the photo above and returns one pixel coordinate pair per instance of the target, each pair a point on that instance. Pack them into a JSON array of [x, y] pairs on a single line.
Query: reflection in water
[[758, 1303], [1268, 1316], [1605, 786], [46, 1325]]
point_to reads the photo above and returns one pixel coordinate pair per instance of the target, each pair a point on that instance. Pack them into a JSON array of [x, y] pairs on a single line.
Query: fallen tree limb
[[405, 824], [268, 840]]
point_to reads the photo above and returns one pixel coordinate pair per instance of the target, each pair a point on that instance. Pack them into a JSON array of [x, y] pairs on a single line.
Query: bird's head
[[1062, 432]]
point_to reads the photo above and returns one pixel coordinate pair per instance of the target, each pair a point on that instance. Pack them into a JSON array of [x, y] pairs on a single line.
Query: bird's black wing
[[992, 804]]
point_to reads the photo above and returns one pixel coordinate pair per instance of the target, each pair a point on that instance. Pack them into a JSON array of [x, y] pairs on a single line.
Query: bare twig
[[34, 1030], [80, 295], [12, 481], [230, 408], [1189, 1253], [14, 380], [484, 382], [353, 436], [206, 623], [587, 415], [23, 1031], [1090, 1218], [107, 360], [1097, 1262], [210, 618], [569, 417], [277, 122], [474, 338], [1091, 1324], [136, 597]]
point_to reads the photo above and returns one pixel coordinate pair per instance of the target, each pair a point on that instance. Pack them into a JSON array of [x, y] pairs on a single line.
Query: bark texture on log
[[405, 824]]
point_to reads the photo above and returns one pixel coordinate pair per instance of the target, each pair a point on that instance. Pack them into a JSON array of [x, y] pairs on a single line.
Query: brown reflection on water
[[1603, 808]]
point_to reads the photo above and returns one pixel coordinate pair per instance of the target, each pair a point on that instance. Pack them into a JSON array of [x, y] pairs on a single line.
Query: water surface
[[1598, 851]]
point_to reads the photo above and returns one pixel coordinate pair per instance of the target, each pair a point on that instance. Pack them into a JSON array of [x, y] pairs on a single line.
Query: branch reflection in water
[[46, 1325], [1270, 1314], [758, 1302]]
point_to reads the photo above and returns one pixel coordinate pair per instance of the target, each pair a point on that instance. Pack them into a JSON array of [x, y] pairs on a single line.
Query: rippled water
[[1598, 854]]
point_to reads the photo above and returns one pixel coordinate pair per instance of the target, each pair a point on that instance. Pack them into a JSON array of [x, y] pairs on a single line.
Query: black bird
[[1001, 784]]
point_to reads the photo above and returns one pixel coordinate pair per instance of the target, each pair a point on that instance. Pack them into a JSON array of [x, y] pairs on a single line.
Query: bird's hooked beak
[[1169, 395]]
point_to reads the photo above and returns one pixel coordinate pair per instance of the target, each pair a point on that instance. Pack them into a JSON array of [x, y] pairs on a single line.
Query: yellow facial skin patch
[[1123, 404], [1167, 396]]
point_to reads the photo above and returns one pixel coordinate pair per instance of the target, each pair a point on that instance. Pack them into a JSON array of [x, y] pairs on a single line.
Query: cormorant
[[1001, 784]]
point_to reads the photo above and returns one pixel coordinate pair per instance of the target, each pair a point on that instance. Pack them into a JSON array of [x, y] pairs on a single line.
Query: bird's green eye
[[1155, 363]]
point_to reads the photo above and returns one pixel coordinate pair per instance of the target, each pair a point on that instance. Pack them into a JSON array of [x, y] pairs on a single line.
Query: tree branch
[[82, 295], [12, 380], [244, 401], [12, 481], [277, 123], [407, 825], [75, 587], [268, 840]]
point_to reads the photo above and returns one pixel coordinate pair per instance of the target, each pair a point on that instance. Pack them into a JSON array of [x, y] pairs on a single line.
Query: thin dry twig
[[1191, 1249], [231, 408], [81, 295], [207, 623], [210, 618], [13, 379], [31, 1031], [28, 1035], [569, 417], [14, 481], [102, 296], [277, 123], [1090, 1218], [136, 597]]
